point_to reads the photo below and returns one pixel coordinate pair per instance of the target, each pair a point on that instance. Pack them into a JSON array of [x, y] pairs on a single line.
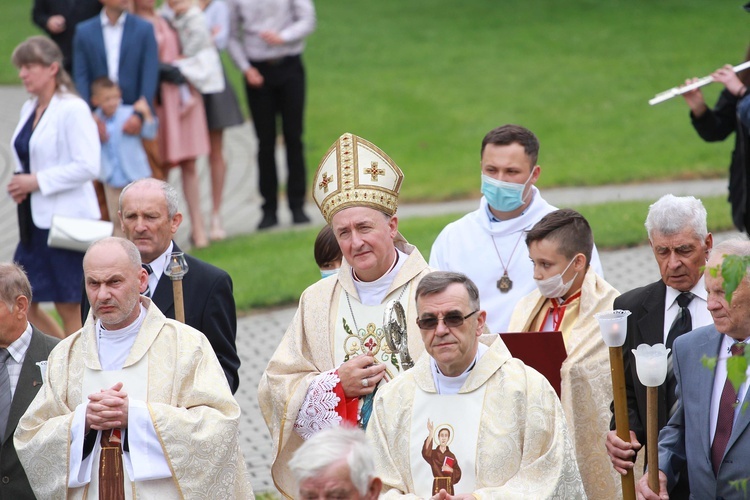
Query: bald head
[[114, 280]]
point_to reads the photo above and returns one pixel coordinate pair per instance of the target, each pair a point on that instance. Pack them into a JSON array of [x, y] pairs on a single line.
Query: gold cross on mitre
[[374, 171], [325, 182]]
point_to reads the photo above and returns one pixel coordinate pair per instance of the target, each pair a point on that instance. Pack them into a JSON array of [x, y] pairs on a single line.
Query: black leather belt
[[275, 62]]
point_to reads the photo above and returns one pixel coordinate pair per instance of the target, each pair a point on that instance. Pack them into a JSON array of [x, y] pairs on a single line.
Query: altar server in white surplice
[[487, 244], [334, 356], [506, 424], [134, 405], [569, 293]]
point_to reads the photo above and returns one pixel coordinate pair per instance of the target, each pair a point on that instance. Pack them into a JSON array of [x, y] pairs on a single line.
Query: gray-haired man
[[336, 463], [681, 243]]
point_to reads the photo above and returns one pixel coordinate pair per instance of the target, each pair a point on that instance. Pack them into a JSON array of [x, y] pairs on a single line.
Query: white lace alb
[[318, 410]]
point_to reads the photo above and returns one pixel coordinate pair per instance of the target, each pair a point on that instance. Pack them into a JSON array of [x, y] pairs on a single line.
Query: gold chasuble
[[191, 407], [507, 434], [586, 389], [321, 337], [361, 331]]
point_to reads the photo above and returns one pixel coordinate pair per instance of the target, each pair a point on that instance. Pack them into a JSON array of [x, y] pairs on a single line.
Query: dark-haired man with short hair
[[486, 244], [568, 294], [506, 425]]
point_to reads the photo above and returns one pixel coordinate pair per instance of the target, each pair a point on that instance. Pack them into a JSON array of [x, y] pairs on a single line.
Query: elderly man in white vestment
[[134, 404], [487, 244], [334, 355], [506, 424]]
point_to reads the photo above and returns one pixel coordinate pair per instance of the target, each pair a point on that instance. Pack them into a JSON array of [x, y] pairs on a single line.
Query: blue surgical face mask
[[503, 196], [330, 272]]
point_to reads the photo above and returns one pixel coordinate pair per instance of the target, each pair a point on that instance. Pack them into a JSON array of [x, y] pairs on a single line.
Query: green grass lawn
[[426, 79], [271, 269]]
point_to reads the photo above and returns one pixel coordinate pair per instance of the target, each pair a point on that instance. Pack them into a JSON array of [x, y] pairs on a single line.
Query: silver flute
[[675, 91]]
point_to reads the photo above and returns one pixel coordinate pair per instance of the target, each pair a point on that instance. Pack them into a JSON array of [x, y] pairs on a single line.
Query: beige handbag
[[73, 233]]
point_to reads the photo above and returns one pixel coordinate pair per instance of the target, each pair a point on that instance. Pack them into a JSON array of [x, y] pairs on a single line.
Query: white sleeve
[[79, 470], [318, 410], [145, 459]]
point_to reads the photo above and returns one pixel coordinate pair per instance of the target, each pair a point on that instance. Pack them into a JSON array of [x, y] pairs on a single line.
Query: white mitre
[[356, 173]]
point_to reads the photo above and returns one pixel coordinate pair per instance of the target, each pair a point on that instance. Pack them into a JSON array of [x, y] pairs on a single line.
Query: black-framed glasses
[[451, 320]]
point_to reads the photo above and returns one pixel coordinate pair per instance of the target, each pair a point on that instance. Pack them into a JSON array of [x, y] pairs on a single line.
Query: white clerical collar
[[114, 345], [451, 385], [157, 266], [372, 293]]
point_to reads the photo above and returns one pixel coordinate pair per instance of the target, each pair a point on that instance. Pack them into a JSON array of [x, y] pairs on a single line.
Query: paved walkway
[[260, 332]]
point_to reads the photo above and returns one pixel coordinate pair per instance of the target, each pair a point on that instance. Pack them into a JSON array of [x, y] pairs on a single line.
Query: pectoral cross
[[504, 284]]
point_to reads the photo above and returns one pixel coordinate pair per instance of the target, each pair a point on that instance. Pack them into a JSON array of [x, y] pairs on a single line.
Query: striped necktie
[[725, 419], [5, 397], [150, 271]]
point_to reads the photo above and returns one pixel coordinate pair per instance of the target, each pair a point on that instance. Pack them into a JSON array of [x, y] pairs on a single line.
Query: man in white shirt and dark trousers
[[267, 38]]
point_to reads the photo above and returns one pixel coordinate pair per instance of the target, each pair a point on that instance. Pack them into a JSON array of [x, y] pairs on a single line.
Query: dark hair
[[438, 281], [42, 50], [511, 134], [103, 83], [569, 229], [326, 247]]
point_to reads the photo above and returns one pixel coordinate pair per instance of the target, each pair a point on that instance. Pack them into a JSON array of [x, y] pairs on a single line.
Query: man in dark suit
[[26, 347], [58, 18], [681, 242], [121, 46], [708, 432], [149, 218]]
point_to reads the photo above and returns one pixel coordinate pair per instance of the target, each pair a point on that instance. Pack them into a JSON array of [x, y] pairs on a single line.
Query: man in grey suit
[[681, 243], [707, 433], [25, 347]]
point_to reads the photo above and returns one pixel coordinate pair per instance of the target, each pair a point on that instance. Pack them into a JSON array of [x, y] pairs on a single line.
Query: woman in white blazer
[[57, 152]]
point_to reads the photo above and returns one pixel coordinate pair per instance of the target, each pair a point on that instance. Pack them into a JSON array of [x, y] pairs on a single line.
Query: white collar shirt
[[698, 307], [112, 34], [157, 266], [17, 351], [719, 380]]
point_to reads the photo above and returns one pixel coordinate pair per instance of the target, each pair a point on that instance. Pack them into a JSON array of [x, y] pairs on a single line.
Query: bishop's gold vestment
[[586, 389], [192, 408], [307, 350]]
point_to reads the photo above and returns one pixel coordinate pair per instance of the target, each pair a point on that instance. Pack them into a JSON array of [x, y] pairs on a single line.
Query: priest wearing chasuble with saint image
[[334, 355], [506, 424], [134, 405]]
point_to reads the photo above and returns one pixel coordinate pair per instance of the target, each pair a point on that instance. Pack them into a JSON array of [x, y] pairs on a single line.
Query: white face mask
[[554, 287]]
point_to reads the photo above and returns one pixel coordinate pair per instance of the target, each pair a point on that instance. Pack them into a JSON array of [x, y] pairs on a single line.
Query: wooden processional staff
[[176, 269], [614, 329]]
